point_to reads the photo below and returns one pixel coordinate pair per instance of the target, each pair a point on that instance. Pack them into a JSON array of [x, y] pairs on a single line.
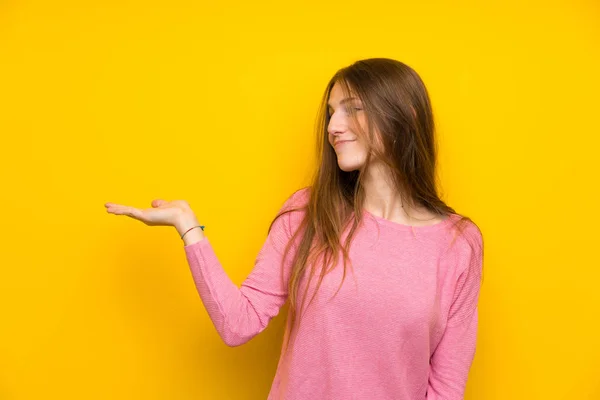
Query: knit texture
[[402, 326]]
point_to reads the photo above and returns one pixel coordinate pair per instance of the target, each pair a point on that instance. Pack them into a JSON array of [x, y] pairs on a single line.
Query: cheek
[[355, 126], [362, 149], [359, 126]]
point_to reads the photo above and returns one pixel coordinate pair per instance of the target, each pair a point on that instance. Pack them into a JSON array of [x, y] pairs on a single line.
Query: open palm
[[162, 213]]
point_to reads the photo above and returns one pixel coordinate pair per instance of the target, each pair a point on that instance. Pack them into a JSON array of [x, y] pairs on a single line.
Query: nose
[[336, 126]]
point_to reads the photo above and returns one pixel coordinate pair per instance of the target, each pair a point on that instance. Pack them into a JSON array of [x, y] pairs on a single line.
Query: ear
[[414, 112]]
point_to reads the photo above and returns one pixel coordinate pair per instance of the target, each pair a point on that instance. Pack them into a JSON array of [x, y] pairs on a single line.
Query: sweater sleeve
[[241, 313], [454, 354]]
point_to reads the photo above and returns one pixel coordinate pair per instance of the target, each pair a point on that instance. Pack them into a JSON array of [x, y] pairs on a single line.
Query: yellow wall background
[[127, 101]]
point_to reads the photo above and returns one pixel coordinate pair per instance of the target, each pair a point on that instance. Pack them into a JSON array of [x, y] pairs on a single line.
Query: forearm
[[237, 313], [231, 312]]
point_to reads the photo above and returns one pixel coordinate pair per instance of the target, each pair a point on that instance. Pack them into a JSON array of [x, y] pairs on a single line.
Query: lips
[[342, 142]]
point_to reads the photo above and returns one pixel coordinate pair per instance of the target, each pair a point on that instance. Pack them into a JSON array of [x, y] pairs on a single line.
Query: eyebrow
[[347, 99]]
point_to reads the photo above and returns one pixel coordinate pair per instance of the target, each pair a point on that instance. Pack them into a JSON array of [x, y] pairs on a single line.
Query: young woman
[[382, 277]]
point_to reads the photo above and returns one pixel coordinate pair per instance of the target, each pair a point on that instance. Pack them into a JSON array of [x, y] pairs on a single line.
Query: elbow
[[236, 329], [232, 343], [238, 336], [233, 340]]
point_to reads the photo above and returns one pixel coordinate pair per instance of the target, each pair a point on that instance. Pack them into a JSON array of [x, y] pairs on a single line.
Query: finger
[[125, 210], [115, 205], [158, 202], [115, 209], [135, 213]]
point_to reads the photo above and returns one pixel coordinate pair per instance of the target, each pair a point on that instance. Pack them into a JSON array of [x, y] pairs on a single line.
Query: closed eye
[[330, 112]]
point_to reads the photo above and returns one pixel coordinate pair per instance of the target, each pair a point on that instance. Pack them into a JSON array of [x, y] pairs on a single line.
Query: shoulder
[[298, 199], [465, 243], [464, 232], [292, 211], [295, 203]]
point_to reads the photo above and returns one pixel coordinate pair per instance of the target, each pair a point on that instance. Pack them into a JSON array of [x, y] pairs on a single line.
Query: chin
[[348, 167]]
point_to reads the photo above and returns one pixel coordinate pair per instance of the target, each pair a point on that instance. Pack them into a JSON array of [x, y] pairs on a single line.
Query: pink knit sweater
[[403, 326]]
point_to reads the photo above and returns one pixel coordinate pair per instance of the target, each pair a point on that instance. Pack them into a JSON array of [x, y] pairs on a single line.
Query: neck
[[383, 199]]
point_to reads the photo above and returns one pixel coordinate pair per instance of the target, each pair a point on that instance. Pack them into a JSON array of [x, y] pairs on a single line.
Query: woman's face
[[349, 147]]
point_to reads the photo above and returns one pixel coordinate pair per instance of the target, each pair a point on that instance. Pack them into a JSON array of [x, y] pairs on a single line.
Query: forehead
[[337, 95]]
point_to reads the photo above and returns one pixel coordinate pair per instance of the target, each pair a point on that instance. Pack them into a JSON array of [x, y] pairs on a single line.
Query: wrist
[[185, 223], [194, 235]]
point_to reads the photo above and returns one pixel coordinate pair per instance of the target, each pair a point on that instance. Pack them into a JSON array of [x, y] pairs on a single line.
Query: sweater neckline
[[404, 227]]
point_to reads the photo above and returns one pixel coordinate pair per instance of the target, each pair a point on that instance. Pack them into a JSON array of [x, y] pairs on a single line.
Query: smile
[[341, 142]]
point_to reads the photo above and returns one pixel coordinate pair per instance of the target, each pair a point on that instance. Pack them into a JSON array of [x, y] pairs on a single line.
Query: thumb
[[158, 202]]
